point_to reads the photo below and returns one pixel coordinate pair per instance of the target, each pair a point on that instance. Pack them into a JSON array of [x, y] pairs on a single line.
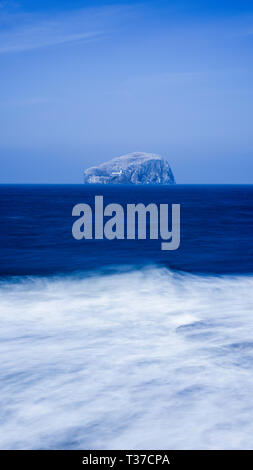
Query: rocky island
[[133, 168]]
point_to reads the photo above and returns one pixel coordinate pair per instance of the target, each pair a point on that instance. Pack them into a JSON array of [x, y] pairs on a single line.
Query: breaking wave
[[137, 359]]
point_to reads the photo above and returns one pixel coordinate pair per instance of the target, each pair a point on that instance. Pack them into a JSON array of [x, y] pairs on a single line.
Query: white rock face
[[133, 168]]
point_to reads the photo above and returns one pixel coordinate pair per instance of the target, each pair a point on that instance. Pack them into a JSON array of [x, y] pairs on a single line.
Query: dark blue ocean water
[[36, 223], [117, 344]]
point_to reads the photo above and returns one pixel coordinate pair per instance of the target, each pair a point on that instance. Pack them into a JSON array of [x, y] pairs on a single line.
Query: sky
[[82, 82]]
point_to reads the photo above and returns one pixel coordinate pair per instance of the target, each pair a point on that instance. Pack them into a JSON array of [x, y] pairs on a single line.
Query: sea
[[116, 344]]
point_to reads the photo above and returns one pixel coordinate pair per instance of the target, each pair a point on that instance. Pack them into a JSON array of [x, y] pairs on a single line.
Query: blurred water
[[103, 345], [137, 359]]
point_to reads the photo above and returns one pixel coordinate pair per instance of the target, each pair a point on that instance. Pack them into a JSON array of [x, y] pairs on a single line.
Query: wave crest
[[139, 359]]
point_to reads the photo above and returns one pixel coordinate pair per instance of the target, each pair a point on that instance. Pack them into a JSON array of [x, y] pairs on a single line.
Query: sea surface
[[118, 344]]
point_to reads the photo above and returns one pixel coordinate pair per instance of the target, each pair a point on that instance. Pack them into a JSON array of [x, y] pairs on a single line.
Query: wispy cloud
[[23, 102], [34, 39], [23, 32]]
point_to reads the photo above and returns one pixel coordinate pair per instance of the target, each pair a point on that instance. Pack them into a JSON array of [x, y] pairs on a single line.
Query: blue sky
[[85, 81]]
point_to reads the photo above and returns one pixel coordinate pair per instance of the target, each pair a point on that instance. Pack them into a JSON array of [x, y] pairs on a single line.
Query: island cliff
[[133, 168]]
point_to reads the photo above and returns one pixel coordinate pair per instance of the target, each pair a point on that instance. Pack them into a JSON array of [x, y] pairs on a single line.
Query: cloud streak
[[30, 40], [24, 32]]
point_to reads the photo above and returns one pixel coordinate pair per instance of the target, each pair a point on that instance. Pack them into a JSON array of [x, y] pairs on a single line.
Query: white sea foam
[[139, 359]]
